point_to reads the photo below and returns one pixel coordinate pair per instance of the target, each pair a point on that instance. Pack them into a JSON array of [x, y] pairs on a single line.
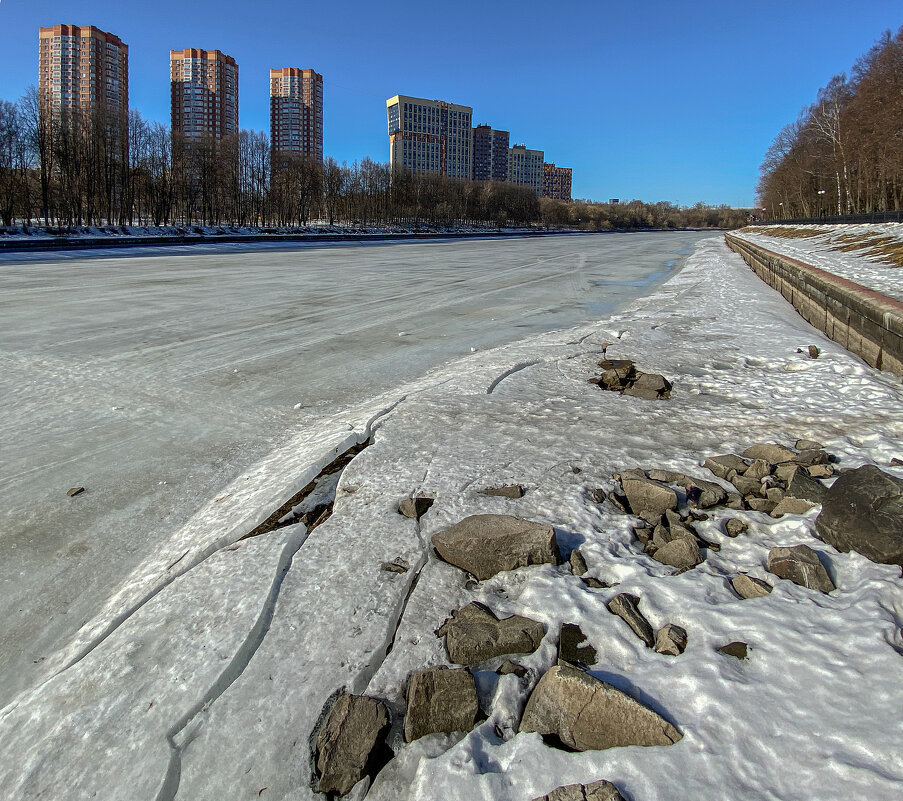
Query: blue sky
[[656, 100]]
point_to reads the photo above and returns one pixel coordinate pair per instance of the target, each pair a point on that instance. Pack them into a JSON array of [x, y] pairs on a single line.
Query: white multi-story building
[[430, 136], [525, 167]]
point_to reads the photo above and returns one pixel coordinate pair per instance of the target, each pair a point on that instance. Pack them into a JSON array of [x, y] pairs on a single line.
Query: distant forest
[[844, 153], [77, 170]]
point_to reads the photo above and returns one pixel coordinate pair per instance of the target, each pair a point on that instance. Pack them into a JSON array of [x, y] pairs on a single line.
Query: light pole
[[781, 204], [821, 192]]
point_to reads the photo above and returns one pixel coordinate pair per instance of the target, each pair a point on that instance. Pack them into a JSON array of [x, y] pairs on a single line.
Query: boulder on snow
[[627, 607], [597, 791], [648, 499], [738, 650], [761, 504], [586, 714], [474, 634], [349, 740], [505, 491], [573, 645], [863, 512], [578, 563], [734, 527], [442, 700], [680, 553], [748, 587], [508, 667], [671, 640], [801, 565], [488, 544], [415, 507]]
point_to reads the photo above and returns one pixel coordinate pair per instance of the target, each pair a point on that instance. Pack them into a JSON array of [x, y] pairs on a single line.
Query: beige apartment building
[[296, 111], [84, 69], [525, 167], [430, 136], [204, 93]]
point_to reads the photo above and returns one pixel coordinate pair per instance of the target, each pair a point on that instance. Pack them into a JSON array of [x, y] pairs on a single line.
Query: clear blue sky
[[656, 100]]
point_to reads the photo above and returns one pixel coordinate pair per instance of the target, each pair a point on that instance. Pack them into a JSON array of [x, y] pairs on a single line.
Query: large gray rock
[[350, 737], [578, 563], [474, 634], [808, 445], [722, 465], [587, 714], [597, 791], [627, 607], [863, 512], [440, 700], [749, 486], [699, 492], [800, 564], [681, 553], [650, 386], [802, 486], [648, 499], [773, 454], [488, 544], [792, 506]]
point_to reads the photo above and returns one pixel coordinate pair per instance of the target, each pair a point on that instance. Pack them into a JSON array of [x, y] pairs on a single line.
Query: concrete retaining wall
[[864, 321]]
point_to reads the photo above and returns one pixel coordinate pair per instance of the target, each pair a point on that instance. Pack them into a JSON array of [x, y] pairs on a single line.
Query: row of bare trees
[[68, 169], [844, 153]]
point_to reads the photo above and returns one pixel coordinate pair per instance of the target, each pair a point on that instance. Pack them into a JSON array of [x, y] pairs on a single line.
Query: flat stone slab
[[748, 587], [587, 714], [627, 607], [440, 700], [863, 512], [597, 791], [474, 634], [356, 727], [488, 544]]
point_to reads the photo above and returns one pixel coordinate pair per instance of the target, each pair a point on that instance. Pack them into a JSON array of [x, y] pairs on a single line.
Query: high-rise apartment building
[[204, 93], [84, 69], [430, 136], [556, 182], [296, 111], [525, 167], [490, 154]]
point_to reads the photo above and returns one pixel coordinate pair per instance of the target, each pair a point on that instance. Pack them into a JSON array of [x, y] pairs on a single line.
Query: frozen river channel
[[155, 377]]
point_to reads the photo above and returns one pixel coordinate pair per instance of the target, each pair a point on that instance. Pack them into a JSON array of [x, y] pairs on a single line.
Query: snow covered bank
[[869, 254], [210, 688], [865, 321]]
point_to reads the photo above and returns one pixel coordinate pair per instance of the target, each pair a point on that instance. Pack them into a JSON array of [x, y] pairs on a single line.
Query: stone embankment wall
[[864, 321]]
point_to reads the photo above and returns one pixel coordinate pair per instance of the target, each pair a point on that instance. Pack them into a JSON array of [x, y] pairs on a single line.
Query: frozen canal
[[154, 378]]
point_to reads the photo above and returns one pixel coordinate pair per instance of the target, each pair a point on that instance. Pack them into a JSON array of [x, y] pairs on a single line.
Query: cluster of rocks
[[774, 479], [621, 375], [569, 707]]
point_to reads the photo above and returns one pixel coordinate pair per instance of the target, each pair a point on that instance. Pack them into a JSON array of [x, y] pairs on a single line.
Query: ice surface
[[811, 713], [155, 378]]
